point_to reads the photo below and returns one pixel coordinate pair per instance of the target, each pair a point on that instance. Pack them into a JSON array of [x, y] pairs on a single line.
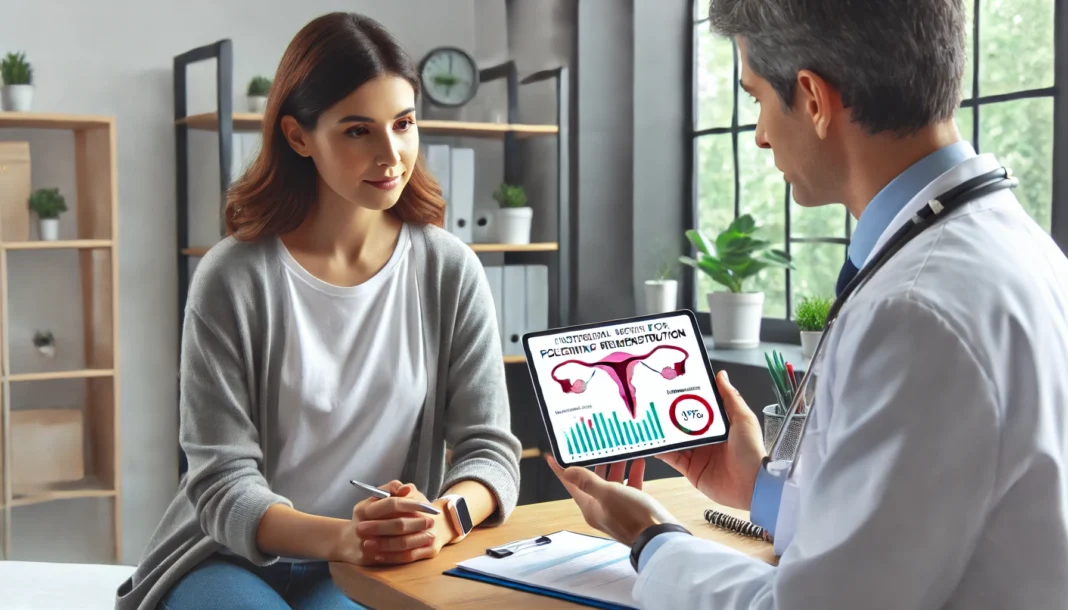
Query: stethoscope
[[773, 474]]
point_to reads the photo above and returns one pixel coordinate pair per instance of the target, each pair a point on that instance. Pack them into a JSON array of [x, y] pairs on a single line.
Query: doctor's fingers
[[637, 474], [581, 498], [586, 482], [679, 460], [611, 472], [733, 402]]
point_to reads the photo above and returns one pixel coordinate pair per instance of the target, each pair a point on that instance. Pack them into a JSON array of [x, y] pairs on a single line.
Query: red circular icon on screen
[[691, 414]]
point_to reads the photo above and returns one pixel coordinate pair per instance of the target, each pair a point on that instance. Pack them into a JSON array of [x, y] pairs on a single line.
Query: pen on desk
[[506, 550], [383, 494]]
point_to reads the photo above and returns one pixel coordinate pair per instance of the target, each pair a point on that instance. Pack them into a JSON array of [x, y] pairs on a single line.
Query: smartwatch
[[647, 535], [459, 516]]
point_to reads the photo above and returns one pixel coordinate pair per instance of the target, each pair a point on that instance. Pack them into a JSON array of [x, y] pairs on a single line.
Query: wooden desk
[[422, 585]]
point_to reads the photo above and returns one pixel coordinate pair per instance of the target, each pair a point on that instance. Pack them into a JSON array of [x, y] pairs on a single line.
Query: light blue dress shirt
[[895, 196], [873, 221]]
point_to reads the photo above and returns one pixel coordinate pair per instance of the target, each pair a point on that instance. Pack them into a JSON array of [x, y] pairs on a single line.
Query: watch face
[[450, 77], [464, 515]]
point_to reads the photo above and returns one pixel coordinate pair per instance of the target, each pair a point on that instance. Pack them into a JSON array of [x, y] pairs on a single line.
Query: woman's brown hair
[[328, 59]]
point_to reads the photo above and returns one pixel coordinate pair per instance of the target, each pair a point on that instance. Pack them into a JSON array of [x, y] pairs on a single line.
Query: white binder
[[463, 193], [495, 278], [515, 309], [439, 164], [537, 298]]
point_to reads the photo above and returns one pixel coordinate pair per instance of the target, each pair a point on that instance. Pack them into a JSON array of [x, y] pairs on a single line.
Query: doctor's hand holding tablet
[[623, 390], [723, 471]]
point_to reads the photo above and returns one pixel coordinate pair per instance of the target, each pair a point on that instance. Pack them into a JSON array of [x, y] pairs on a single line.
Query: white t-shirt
[[353, 384]]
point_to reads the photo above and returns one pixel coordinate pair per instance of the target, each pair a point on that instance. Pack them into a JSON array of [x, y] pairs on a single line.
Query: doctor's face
[[806, 161]]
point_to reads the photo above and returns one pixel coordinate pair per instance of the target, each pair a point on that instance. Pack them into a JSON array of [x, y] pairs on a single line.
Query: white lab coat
[[935, 471]]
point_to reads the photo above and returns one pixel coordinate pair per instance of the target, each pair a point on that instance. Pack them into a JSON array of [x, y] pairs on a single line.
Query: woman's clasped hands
[[391, 531]]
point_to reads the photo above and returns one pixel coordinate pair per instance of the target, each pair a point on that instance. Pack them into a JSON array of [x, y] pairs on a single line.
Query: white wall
[[114, 57]]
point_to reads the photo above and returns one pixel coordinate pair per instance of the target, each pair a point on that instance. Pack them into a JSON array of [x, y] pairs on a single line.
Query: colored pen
[[383, 494]]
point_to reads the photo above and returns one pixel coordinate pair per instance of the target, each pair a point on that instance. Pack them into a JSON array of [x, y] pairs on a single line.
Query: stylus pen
[[382, 494]]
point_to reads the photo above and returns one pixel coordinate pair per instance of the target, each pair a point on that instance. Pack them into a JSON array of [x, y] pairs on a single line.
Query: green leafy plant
[[510, 196], [259, 86], [811, 313], [15, 70], [48, 203], [735, 255], [666, 271]]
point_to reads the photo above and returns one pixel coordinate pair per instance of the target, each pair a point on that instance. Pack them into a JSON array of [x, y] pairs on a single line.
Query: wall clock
[[449, 77]]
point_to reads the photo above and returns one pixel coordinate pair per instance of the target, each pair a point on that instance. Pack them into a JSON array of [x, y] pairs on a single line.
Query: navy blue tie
[[846, 275]]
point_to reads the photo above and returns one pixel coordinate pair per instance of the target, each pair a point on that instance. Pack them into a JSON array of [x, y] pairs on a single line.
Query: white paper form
[[572, 563]]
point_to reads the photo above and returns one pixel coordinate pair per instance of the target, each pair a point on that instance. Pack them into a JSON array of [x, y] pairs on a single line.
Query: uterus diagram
[[620, 367]]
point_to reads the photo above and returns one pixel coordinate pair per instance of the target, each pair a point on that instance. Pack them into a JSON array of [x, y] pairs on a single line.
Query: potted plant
[[258, 88], [48, 204], [17, 93], [732, 258], [514, 216], [811, 315], [661, 293]]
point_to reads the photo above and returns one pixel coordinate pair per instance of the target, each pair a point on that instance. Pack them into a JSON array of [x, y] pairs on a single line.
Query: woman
[[338, 333]]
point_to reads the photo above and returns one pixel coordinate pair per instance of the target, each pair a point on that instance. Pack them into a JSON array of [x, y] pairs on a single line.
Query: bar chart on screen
[[598, 434]]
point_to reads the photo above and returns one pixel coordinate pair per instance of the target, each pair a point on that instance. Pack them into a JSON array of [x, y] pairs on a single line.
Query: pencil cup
[[773, 422]]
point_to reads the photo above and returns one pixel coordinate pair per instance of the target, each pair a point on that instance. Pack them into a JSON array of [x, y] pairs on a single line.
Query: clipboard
[[587, 570], [585, 601]]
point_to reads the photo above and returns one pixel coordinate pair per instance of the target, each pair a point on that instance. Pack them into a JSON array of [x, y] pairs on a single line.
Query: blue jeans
[[234, 583]]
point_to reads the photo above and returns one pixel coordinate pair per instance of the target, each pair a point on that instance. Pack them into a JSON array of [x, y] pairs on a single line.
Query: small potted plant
[[17, 93], [661, 292], [732, 258], [48, 204], [258, 88], [514, 216], [45, 343], [810, 316]]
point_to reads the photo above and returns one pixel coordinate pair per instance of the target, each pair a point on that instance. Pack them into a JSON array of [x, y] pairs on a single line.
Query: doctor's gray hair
[[898, 64]]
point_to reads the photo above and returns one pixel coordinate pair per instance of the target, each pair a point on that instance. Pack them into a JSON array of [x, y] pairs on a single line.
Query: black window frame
[[784, 330]]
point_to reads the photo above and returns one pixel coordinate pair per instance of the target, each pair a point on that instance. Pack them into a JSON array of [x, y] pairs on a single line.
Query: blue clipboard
[[585, 601]]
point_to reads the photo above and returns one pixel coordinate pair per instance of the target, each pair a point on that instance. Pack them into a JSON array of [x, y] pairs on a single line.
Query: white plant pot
[[736, 319], [17, 98], [513, 225], [257, 103], [809, 340], [661, 296], [49, 229]]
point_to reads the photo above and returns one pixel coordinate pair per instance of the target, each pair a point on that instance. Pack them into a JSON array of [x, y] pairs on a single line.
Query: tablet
[[618, 390]]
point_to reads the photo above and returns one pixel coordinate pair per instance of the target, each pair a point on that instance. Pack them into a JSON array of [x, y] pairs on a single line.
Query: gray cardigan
[[231, 353]]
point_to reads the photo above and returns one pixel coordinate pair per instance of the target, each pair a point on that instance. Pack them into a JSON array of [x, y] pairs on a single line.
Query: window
[[1008, 109]]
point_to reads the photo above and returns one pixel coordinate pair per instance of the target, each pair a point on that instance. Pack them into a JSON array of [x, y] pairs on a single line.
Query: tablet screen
[[625, 388]]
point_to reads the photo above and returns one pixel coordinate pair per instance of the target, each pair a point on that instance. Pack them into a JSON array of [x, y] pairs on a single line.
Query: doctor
[[934, 468]]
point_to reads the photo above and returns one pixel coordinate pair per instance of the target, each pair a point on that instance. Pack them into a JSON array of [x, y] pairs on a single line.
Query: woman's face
[[366, 145]]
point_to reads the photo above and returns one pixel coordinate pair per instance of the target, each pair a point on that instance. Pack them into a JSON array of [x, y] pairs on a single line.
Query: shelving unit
[[224, 121], [95, 423]]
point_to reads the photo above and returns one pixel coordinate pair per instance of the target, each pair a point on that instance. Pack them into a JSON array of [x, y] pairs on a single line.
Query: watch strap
[[647, 535], [450, 503]]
